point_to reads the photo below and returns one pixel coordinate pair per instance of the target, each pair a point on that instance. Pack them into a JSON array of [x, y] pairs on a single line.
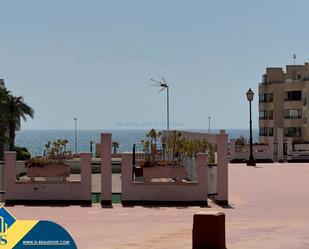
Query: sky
[[93, 60]]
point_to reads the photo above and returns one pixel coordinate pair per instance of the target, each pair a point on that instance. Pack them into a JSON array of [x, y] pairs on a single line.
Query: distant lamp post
[[91, 143], [163, 85], [250, 95], [75, 135]]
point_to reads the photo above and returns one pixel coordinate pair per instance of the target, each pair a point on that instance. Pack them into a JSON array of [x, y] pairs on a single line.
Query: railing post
[[271, 148], [9, 173], [222, 169], [106, 169], [233, 149], [202, 174], [85, 171], [290, 145], [280, 144], [126, 177]]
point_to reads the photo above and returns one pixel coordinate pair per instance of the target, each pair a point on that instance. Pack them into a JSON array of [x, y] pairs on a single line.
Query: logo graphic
[[32, 233], [6, 220]]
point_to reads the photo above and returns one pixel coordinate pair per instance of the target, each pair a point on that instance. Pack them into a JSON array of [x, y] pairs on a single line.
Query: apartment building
[[284, 102]]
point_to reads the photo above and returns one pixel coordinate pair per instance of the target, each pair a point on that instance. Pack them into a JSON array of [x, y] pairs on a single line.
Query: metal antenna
[[163, 84]]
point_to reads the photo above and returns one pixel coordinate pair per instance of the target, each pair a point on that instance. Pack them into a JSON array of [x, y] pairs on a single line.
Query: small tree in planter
[[52, 165], [241, 140], [150, 144]]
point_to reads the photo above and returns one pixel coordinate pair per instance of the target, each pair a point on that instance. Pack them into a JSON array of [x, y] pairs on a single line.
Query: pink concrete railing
[[260, 151], [164, 192], [56, 192], [221, 140]]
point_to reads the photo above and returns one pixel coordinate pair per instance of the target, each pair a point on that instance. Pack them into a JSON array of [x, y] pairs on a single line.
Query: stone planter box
[[52, 170], [177, 172]]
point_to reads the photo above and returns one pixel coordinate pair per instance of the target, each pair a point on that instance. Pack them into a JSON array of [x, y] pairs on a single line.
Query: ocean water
[[34, 140]]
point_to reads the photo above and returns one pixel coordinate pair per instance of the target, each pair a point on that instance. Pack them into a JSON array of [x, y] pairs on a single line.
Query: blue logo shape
[[6, 220], [47, 235]]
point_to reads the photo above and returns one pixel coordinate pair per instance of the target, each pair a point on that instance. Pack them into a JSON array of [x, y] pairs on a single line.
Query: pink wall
[[47, 190], [242, 152], [164, 192]]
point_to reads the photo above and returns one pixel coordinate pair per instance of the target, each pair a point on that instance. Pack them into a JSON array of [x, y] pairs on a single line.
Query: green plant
[[211, 153], [115, 146], [241, 140], [150, 147], [22, 153], [37, 162], [56, 151], [175, 144], [13, 109]]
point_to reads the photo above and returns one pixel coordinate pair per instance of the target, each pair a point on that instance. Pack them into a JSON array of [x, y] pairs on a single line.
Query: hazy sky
[[94, 59]]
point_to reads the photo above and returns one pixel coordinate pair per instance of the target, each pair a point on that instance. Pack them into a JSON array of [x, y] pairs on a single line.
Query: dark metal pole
[[133, 156], [133, 162], [251, 161], [75, 135], [168, 109], [91, 142]]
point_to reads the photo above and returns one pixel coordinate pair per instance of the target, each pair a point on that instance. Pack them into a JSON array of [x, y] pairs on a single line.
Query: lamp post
[[250, 95], [75, 135], [91, 143]]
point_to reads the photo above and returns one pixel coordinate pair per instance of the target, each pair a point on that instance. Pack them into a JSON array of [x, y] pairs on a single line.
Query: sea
[[35, 140]]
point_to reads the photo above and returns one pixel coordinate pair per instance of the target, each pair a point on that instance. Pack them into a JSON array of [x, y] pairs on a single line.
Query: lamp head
[[250, 95]]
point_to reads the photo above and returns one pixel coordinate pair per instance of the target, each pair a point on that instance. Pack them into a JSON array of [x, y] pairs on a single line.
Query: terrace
[[261, 215]]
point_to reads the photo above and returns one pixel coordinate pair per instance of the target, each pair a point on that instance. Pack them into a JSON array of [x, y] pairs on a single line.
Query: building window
[[263, 131], [293, 132], [271, 131], [262, 114], [270, 114], [293, 114], [270, 97], [263, 97], [292, 96]]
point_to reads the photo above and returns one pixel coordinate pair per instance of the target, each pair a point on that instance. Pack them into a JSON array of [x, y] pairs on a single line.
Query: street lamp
[[250, 95], [91, 143], [75, 135], [163, 86]]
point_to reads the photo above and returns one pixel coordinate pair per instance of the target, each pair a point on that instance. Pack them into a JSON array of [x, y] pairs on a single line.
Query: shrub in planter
[[52, 165], [37, 162], [22, 153]]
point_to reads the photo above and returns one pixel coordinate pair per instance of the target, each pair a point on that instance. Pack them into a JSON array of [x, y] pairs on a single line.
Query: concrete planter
[[51, 170], [177, 172]]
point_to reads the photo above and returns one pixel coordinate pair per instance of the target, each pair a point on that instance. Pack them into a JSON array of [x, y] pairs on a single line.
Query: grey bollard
[[208, 230]]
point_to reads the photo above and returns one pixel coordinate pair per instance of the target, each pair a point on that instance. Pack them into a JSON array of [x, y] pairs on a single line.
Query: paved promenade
[[269, 209]]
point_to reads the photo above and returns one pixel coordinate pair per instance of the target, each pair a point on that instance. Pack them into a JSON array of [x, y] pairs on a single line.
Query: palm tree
[[4, 94], [17, 109], [115, 146]]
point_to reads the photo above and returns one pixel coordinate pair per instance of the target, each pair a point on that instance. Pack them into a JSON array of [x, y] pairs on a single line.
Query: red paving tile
[[269, 209]]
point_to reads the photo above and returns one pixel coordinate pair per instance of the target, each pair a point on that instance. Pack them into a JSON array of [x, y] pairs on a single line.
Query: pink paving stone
[[270, 209]]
